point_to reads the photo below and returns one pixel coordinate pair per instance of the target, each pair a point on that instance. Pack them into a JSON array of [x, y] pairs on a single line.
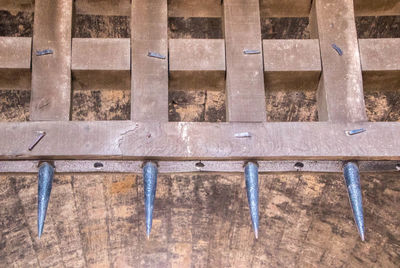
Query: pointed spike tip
[[45, 181], [352, 179], [251, 177], [150, 184]]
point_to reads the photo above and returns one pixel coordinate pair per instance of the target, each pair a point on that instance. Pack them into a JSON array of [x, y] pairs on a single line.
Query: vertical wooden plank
[[340, 92], [149, 33], [51, 74], [245, 73]]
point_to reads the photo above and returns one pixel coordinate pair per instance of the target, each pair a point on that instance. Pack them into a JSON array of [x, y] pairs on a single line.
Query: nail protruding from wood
[[46, 174], [251, 177], [150, 184], [352, 179], [37, 140]]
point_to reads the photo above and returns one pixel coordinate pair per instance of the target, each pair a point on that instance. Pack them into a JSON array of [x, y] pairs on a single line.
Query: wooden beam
[[195, 8], [196, 64], [101, 63], [340, 93], [291, 64], [244, 74], [380, 61], [103, 7], [285, 8], [51, 74], [149, 31], [15, 63], [194, 141], [173, 167], [377, 8]]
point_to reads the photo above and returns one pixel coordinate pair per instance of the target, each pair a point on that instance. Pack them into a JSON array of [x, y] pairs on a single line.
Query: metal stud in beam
[[352, 179], [251, 176], [150, 184], [46, 174]]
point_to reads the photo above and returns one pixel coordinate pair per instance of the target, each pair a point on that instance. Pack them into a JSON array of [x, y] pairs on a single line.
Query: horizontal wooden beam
[[196, 64], [380, 62], [194, 8], [121, 166], [197, 55], [301, 8], [101, 54], [15, 63], [377, 8], [291, 64], [101, 63], [200, 141]]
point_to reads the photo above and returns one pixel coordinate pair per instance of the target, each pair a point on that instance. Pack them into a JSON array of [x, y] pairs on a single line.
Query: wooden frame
[[246, 136]]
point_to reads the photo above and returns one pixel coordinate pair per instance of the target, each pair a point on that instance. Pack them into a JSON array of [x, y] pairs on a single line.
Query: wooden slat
[[285, 8], [197, 64], [380, 60], [380, 54], [245, 76], [194, 141], [51, 74], [101, 63], [291, 64], [194, 8], [173, 167], [340, 93], [377, 8], [103, 7], [149, 75], [15, 63]]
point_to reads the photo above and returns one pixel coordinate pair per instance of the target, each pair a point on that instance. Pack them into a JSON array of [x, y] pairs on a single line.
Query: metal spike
[[150, 185], [46, 174], [352, 178], [251, 176]]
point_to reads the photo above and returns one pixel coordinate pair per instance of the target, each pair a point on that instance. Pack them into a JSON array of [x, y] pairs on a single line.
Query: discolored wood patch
[[196, 106], [14, 105], [200, 220], [285, 28], [93, 105], [378, 27], [291, 106], [16, 25], [195, 28], [95, 26], [382, 105]]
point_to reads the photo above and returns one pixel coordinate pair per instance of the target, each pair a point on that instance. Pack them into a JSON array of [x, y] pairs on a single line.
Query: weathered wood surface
[[15, 62], [129, 140], [199, 220], [51, 74], [173, 167], [291, 64], [245, 96], [149, 27], [340, 93]]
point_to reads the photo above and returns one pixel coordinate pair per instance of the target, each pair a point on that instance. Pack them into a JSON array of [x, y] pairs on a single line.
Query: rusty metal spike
[[46, 174], [251, 176], [150, 185], [352, 178]]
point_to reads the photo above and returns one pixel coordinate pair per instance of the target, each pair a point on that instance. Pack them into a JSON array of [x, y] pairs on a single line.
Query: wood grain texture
[[200, 220], [149, 27], [178, 141], [245, 96], [340, 93], [51, 74]]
